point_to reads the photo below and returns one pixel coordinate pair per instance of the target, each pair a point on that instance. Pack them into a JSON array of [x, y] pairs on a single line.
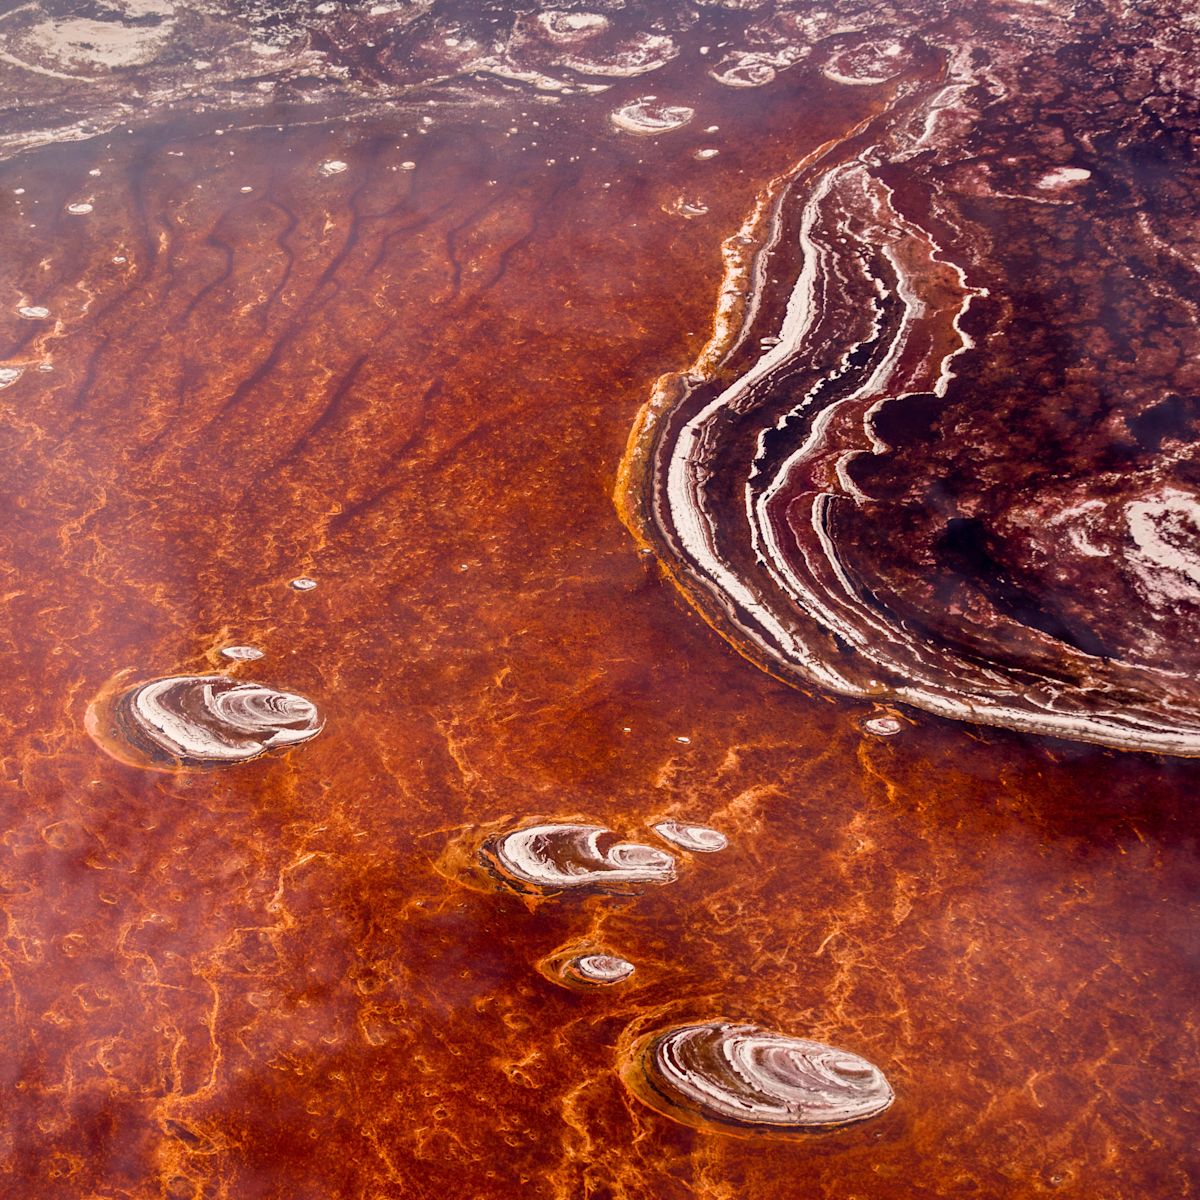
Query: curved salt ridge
[[554, 857], [742, 1076], [688, 208], [586, 970], [797, 600], [637, 55], [571, 26], [648, 116], [212, 719], [866, 64], [697, 838], [743, 71]]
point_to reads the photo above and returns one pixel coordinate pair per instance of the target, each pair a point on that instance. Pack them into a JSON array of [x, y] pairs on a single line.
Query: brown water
[[414, 385]]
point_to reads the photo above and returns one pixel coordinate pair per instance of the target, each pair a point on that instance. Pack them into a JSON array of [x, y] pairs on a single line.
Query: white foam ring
[[743, 1075], [215, 719], [854, 240], [555, 857]]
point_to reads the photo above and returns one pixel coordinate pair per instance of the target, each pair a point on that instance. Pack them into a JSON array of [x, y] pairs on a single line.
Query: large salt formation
[[201, 720], [932, 453], [743, 1077]]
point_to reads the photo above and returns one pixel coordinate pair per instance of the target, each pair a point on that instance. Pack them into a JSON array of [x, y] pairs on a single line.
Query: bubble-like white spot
[[303, 584], [705, 153], [10, 375], [33, 312], [334, 166], [80, 208]]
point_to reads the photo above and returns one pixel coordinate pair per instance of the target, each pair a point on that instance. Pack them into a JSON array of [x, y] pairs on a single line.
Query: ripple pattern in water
[[554, 857], [201, 720], [746, 1077]]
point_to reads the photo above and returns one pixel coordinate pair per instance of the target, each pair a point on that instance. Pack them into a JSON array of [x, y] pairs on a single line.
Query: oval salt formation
[[552, 858], [649, 116], [586, 970], [241, 653], [883, 726], [743, 71], [697, 838], [744, 1077], [867, 63], [598, 970], [200, 720], [571, 26]]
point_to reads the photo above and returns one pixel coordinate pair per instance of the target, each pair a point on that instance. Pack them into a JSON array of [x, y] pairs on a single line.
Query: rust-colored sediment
[[415, 387]]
